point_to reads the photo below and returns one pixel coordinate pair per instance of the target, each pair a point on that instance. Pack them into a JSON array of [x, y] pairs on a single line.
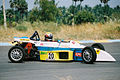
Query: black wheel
[[99, 46], [16, 54], [89, 55]]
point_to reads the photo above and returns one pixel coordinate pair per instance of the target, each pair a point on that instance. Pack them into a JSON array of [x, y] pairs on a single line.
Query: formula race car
[[36, 49]]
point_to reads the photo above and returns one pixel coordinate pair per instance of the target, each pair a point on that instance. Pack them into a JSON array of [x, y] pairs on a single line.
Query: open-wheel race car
[[36, 49]]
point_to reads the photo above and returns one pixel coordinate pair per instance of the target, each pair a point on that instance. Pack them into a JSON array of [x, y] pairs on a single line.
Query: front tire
[[99, 46], [16, 54], [89, 55]]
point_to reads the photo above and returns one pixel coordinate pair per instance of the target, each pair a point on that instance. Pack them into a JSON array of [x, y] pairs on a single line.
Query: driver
[[48, 36], [35, 36]]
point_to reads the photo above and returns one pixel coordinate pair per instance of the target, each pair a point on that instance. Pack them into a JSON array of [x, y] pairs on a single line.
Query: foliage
[[116, 13], [117, 28], [20, 8], [117, 9], [48, 10], [34, 15], [1, 18], [83, 17], [102, 13], [21, 28], [14, 24], [10, 17], [115, 16], [104, 1]]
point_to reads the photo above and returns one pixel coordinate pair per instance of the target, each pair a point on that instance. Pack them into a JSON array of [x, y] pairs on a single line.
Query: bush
[[11, 24], [14, 24], [21, 28], [117, 28], [115, 16], [1, 19], [36, 24], [84, 16]]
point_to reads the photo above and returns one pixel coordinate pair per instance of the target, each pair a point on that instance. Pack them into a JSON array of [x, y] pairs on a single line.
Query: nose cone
[[104, 56]]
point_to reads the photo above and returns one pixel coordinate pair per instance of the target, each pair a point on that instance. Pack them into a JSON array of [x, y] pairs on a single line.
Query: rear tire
[[89, 55], [99, 46], [16, 54]]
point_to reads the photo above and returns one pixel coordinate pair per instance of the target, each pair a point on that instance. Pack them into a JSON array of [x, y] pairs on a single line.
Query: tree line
[[47, 11]]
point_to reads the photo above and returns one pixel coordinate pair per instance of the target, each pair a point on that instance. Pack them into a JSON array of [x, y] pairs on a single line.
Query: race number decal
[[50, 56]]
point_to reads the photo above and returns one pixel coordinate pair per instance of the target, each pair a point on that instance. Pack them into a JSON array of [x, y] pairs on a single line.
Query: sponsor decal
[[43, 53], [78, 54], [97, 51], [41, 44], [73, 42], [24, 39]]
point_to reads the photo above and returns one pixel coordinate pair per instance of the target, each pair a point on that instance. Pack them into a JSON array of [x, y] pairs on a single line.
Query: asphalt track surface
[[36, 70]]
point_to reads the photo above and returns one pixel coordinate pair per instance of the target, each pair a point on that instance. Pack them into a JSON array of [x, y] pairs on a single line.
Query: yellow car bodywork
[[55, 55]]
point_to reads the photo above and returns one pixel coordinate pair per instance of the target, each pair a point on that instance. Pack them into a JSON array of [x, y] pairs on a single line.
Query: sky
[[67, 3]]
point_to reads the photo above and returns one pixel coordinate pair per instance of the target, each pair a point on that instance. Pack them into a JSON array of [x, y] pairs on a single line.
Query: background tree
[[20, 8], [10, 16], [75, 2], [80, 3], [116, 14], [34, 15], [84, 17], [48, 10], [87, 8], [106, 9], [1, 16], [5, 25], [98, 12], [104, 1]]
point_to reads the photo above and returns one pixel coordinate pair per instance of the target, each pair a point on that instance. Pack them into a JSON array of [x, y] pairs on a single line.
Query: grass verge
[[96, 31]]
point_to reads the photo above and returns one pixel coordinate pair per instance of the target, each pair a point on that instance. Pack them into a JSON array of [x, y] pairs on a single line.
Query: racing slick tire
[[89, 55], [16, 54], [99, 46]]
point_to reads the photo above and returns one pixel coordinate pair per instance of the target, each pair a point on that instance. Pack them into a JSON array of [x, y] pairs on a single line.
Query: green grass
[[21, 28]]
